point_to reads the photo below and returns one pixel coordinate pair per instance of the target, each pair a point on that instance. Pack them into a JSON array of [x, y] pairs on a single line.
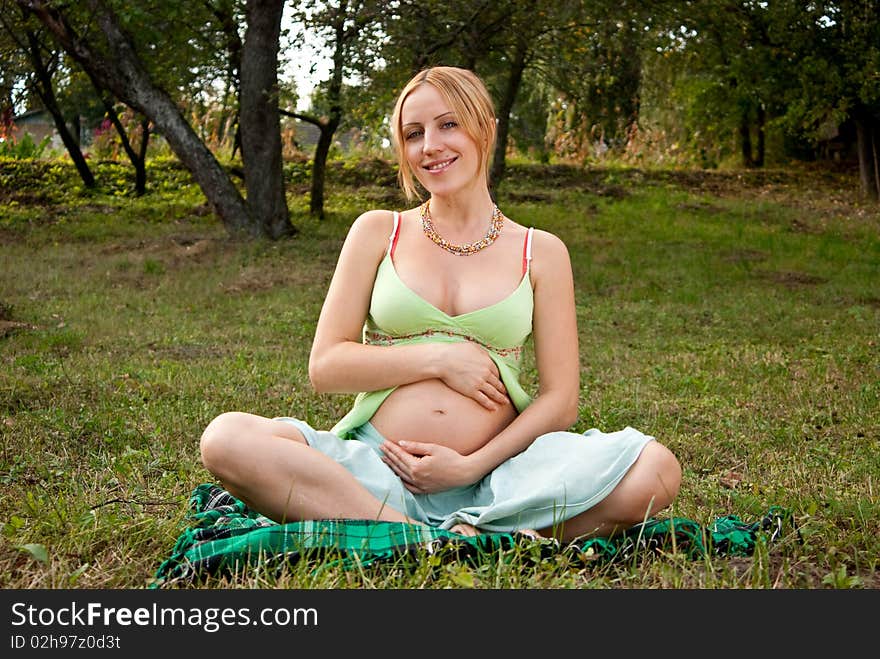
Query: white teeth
[[442, 165]]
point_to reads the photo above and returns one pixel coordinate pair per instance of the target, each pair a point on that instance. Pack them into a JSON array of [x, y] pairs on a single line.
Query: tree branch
[[317, 121]]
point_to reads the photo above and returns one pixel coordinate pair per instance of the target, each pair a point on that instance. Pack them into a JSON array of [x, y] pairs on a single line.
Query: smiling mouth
[[440, 166]]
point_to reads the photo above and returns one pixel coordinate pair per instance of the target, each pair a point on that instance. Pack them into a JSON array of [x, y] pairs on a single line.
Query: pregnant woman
[[426, 318]]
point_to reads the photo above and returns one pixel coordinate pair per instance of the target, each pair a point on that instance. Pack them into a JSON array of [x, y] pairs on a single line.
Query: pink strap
[[394, 234], [527, 250]]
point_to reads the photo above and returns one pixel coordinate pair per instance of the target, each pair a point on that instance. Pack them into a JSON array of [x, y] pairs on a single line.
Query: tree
[[742, 46], [528, 27], [744, 65], [260, 123], [138, 158], [597, 68], [838, 65], [112, 59], [350, 26], [43, 63]]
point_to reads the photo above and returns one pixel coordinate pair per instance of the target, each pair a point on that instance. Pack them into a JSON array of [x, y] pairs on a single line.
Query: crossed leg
[[649, 486], [268, 464]]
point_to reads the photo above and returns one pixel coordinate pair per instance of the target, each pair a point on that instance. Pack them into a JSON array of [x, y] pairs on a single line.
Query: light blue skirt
[[559, 476]]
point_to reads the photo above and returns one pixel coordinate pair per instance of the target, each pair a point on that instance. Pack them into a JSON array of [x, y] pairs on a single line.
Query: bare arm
[[339, 362]]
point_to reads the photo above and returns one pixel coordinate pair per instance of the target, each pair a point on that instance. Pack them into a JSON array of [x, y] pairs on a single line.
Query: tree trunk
[[329, 125], [140, 181], [319, 168], [140, 173], [762, 137], [875, 150], [326, 130], [745, 139], [867, 129], [47, 95], [123, 73], [260, 123], [517, 66], [76, 130]]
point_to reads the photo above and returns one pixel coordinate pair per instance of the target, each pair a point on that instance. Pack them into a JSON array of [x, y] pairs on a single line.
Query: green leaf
[[75, 575], [464, 579], [37, 551]]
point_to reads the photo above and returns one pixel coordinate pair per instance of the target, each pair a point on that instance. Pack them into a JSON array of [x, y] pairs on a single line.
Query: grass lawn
[[733, 315]]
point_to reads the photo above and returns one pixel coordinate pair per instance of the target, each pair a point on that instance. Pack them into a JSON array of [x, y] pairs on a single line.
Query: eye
[[449, 124], [413, 134]]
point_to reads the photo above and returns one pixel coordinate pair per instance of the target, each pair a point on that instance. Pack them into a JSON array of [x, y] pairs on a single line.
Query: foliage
[[650, 83], [801, 72], [55, 182], [596, 67], [837, 66], [24, 148]]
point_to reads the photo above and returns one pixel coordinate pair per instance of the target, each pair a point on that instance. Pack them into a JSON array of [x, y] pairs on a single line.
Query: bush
[[24, 147]]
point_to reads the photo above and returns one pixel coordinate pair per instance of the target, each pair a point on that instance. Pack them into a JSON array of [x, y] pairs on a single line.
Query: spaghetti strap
[[527, 250], [392, 239]]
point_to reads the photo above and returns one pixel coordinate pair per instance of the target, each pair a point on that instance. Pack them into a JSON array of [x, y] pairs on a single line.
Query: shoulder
[[372, 229], [548, 247], [373, 221], [550, 258]]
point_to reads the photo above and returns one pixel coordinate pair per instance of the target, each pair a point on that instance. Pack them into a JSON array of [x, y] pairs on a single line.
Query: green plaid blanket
[[225, 536]]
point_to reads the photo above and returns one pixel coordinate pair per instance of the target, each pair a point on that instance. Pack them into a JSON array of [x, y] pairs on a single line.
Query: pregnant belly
[[429, 411]]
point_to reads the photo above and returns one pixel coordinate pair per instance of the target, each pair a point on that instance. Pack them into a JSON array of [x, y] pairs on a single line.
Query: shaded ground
[[40, 183], [824, 185]]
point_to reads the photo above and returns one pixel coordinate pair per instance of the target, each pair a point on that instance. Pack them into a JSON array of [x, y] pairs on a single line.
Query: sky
[[300, 62]]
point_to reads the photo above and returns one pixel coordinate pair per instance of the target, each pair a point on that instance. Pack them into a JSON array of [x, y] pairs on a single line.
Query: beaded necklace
[[467, 249]]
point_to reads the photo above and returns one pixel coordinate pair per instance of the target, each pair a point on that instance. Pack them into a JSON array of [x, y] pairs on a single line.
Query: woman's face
[[439, 152]]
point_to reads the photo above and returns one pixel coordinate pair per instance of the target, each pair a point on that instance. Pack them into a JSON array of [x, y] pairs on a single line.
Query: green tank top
[[398, 315]]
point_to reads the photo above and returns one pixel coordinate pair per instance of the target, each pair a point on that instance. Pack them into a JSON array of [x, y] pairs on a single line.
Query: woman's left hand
[[426, 468]]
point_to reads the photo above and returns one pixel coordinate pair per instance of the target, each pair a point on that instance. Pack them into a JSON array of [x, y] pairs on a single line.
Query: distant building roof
[[33, 116]]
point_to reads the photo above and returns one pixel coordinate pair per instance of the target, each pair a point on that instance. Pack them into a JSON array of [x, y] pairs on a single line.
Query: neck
[[463, 209]]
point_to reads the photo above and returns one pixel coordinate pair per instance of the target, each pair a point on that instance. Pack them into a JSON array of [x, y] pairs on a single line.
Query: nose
[[432, 142]]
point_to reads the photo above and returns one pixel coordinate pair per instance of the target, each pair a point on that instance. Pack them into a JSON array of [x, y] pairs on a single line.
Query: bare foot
[[529, 533], [470, 531], [465, 529]]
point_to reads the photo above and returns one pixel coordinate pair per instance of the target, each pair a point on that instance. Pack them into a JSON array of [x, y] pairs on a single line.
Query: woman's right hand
[[468, 369]]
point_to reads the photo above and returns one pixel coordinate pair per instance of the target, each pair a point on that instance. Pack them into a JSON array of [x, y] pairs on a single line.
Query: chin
[[447, 187]]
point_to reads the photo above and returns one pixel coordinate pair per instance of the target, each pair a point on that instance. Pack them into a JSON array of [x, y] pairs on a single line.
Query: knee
[[219, 439], [659, 480], [668, 472]]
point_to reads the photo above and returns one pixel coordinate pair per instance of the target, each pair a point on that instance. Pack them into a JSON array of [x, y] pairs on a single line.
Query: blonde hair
[[469, 99]]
